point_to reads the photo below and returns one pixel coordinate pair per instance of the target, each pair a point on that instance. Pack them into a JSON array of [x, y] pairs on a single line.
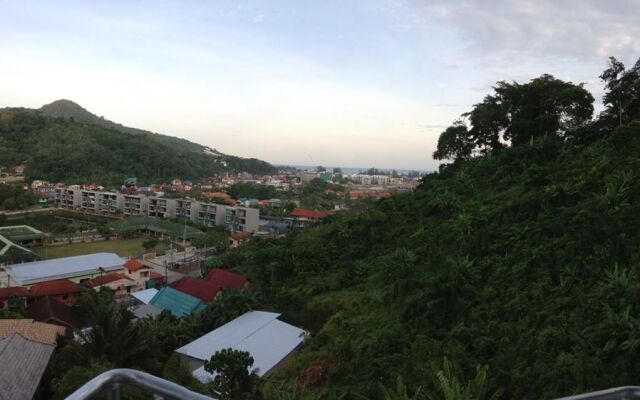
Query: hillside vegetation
[[66, 149], [522, 255]]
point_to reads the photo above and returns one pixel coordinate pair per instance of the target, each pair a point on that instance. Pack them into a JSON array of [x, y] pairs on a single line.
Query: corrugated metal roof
[[68, 267], [267, 339], [180, 304], [146, 295], [23, 364]]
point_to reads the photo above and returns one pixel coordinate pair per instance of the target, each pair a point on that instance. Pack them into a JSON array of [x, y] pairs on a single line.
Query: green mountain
[[521, 256], [63, 142]]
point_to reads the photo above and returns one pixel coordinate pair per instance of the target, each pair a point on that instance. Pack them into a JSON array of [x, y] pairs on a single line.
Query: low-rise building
[[269, 341], [119, 283]]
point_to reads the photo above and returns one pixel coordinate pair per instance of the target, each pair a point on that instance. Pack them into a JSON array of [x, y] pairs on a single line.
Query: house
[[138, 272], [269, 341], [238, 238], [227, 280], [62, 290], [178, 303], [77, 268], [309, 215], [44, 309], [198, 288], [19, 292], [23, 363], [31, 330], [118, 282], [145, 296]]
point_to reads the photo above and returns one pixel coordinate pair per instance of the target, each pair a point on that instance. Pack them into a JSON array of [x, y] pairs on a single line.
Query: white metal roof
[[59, 268], [146, 295], [267, 339]]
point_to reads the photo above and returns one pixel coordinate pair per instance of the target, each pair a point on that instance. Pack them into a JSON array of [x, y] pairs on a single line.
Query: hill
[[519, 256], [63, 142]]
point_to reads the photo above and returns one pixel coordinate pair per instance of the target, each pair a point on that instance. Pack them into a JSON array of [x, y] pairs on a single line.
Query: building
[[24, 235], [198, 288], [11, 253], [23, 364], [238, 238], [45, 309], [227, 280], [118, 282], [235, 218], [77, 269], [16, 292], [145, 296], [269, 341], [138, 272], [61, 290], [178, 303]]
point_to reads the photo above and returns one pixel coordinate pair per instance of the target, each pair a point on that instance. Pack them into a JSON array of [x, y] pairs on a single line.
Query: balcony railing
[[619, 393], [111, 383]]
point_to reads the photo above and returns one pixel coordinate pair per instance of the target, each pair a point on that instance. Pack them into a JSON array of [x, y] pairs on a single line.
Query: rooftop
[[146, 295], [266, 338], [20, 232], [104, 279], [203, 290], [225, 279], [180, 304], [55, 287], [68, 267], [134, 265], [32, 330], [23, 364]]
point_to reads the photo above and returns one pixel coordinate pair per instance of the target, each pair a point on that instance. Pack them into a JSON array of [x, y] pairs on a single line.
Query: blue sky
[[352, 83]]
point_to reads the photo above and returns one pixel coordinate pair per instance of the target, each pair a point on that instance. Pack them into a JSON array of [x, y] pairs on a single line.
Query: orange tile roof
[[240, 235], [134, 265], [32, 330]]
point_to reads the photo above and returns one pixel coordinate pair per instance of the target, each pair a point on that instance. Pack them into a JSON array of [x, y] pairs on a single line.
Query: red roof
[[55, 287], [5, 293], [44, 309], [225, 279], [240, 235], [134, 265], [159, 278], [104, 279], [203, 290], [309, 214]]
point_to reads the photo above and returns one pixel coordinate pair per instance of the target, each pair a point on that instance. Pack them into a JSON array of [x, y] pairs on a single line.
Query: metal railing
[[111, 383], [619, 393]]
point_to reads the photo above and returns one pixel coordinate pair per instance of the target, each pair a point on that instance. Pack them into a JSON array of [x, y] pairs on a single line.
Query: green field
[[122, 247]]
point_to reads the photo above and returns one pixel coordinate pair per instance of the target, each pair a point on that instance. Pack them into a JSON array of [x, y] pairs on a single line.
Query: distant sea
[[349, 170]]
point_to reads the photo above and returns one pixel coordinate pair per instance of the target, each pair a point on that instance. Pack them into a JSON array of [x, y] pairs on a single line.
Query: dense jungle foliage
[[522, 255], [60, 150]]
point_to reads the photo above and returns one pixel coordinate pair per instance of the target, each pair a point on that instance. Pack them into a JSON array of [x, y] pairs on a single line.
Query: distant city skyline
[[362, 82]]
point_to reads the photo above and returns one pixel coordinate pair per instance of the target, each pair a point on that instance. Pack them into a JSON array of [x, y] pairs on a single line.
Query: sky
[[353, 83]]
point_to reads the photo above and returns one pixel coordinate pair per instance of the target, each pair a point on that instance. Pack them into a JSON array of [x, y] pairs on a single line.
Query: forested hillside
[[65, 150], [521, 255]]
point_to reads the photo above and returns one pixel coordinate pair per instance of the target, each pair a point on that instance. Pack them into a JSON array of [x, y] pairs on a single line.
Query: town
[[152, 249]]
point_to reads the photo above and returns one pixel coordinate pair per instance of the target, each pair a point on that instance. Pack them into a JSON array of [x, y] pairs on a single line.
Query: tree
[[150, 243], [337, 170], [454, 143], [622, 98], [234, 378]]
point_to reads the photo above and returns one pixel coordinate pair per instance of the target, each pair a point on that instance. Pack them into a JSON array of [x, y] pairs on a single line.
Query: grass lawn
[[122, 247]]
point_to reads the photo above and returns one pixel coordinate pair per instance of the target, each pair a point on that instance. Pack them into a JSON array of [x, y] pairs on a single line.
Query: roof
[[45, 309], [203, 290], [146, 295], [240, 235], [266, 338], [226, 279], [134, 265], [32, 330], [5, 293], [145, 310], [158, 278], [68, 267], [55, 287], [180, 304], [20, 232], [23, 364], [309, 214], [104, 279]]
